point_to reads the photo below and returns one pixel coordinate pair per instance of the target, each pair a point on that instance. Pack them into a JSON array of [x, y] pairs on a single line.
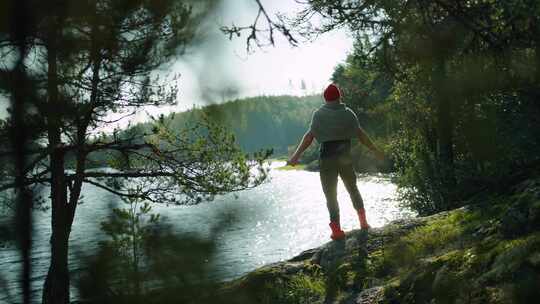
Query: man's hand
[[293, 161], [304, 144]]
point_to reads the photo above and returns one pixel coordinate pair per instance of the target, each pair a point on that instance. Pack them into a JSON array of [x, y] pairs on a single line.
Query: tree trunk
[[56, 287], [537, 75], [445, 125], [19, 141]]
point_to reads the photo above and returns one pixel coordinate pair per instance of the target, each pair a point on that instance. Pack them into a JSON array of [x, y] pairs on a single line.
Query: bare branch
[[254, 29]]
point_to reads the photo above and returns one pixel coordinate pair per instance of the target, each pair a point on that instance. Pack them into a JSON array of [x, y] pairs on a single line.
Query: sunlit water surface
[[275, 222]]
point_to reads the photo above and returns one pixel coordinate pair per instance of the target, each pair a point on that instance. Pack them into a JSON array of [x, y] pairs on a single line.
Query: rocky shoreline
[[486, 252]]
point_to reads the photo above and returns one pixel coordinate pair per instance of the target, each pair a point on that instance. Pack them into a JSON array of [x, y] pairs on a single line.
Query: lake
[[276, 221]]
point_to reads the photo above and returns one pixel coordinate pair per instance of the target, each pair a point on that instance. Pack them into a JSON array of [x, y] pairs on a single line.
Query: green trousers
[[330, 169]]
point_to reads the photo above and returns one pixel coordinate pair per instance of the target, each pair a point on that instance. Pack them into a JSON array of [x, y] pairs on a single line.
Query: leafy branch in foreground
[[185, 167], [144, 261]]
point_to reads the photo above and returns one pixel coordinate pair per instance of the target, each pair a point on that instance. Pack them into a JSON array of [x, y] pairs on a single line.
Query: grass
[[288, 167], [299, 288], [435, 237]]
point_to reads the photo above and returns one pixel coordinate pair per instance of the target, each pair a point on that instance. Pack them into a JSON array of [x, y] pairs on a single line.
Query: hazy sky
[[218, 65]]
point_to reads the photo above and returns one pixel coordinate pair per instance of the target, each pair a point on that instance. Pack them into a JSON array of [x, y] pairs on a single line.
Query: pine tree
[[88, 59]]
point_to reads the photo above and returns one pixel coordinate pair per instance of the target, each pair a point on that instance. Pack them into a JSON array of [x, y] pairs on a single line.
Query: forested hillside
[[258, 122], [262, 122]]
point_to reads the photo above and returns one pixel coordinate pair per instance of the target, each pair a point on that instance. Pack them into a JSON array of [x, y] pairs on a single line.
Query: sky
[[217, 64]]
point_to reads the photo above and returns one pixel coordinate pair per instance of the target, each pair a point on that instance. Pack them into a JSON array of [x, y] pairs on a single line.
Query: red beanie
[[331, 93]]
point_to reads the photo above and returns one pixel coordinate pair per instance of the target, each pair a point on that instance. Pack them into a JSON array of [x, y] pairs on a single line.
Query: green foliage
[[437, 237], [306, 289], [192, 164], [130, 229], [298, 289], [144, 261], [462, 256], [454, 103], [366, 89]]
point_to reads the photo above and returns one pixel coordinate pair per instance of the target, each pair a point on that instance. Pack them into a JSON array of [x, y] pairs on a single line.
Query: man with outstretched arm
[[334, 125]]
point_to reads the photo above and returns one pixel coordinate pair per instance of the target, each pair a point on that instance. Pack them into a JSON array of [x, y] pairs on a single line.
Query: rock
[[523, 215], [334, 252], [372, 295], [305, 255], [331, 254]]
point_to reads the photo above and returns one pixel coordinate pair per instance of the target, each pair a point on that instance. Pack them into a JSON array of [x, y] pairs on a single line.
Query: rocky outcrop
[[328, 258], [486, 252]]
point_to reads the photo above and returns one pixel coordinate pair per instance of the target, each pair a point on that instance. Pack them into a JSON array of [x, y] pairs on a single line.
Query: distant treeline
[[261, 122]]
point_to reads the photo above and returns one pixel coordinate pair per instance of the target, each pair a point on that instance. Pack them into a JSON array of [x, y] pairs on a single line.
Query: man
[[334, 125]]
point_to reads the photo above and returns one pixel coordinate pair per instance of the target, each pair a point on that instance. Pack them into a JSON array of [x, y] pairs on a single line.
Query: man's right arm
[[304, 144]]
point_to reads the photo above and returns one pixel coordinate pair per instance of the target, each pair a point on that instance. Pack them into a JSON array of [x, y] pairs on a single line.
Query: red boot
[[337, 233], [362, 217]]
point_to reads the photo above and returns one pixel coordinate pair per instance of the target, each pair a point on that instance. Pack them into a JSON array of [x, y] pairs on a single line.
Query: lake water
[[276, 221]]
